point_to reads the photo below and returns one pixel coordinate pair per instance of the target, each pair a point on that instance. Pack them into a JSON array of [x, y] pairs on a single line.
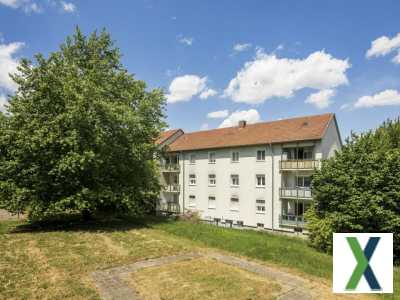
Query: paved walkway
[[111, 283], [5, 215]]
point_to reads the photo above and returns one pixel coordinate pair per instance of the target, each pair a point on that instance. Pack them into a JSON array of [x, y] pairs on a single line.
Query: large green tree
[[79, 135], [358, 190]]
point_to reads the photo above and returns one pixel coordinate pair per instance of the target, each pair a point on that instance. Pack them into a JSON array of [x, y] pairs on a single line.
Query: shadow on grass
[[96, 224]]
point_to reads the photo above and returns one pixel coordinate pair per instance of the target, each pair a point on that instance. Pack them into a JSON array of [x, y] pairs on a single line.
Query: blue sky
[[258, 60]]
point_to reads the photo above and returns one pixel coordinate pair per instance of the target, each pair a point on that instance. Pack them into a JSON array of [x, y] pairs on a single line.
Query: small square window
[[260, 180], [192, 179], [260, 155], [211, 157], [192, 200], [235, 180], [260, 225], [234, 204], [260, 206], [192, 159], [212, 202], [212, 179], [235, 156]]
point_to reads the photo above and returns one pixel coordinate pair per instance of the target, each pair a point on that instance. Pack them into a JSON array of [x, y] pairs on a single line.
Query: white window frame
[[192, 159], [265, 155], [192, 200], [232, 156], [234, 205], [192, 180], [210, 179], [210, 161], [260, 204], [212, 203], [265, 181], [232, 181]]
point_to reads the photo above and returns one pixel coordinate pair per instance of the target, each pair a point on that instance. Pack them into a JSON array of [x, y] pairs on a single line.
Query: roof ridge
[[261, 123]]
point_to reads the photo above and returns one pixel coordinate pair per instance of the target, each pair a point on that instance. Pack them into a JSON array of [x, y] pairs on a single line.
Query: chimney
[[242, 124]]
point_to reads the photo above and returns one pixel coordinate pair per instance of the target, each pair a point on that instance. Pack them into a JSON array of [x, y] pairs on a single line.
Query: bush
[[358, 190]]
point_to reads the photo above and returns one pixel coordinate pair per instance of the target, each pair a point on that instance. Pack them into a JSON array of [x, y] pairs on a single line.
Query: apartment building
[[256, 175]]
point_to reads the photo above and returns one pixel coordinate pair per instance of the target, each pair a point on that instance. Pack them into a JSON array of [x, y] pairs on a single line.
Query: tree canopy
[[358, 190], [80, 132]]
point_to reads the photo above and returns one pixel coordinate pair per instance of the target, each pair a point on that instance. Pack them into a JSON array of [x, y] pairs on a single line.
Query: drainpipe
[[183, 182], [272, 190]]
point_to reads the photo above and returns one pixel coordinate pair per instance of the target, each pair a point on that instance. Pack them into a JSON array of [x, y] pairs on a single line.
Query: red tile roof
[[166, 135], [289, 130]]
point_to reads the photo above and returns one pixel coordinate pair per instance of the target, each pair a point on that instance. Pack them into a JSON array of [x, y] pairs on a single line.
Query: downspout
[[272, 190], [183, 182]]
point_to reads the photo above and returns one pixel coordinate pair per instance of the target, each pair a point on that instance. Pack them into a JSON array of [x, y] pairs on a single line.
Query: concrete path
[[112, 283]]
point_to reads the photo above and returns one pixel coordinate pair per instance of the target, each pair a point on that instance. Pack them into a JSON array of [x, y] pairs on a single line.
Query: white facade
[[263, 186]]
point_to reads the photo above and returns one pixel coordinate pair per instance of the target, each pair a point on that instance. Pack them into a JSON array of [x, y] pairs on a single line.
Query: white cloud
[[183, 88], [208, 93], [27, 6], [3, 103], [396, 59], [218, 114], [383, 46], [188, 41], [68, 7], [269, 76], [204, 126], [8, 64], [241, 47], [251, 116], [321, 99], [384, 98]]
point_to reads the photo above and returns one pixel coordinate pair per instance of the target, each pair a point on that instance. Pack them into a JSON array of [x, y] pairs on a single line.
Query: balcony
[[170, 168], [296, 164], [169, 207], [292, 220], [172, 188], [295, 193]]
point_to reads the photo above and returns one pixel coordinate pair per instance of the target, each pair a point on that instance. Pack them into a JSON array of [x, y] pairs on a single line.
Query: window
[[192, 159], [192, 200], [234, 205], [235, 156], [212, 179], [303, 181], [235, 180], [212, 202], [260, 155], [192, 179], [260, 180], [260, 225], [260, 206], [211, 157]]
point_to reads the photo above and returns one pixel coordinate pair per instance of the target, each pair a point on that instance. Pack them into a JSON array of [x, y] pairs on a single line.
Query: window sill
[[192, 184], [212, 185], [212, 208], [211, 163], [235, 186], [260, 186], [232, 209], [260, 160], [260, 213], [234, 162]]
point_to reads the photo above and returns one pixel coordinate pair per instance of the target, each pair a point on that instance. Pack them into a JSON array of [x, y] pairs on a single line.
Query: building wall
[[247, 168]]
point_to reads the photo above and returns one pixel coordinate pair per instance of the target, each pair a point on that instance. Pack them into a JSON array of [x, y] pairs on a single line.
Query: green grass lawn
[[54, 261], [291, 252]]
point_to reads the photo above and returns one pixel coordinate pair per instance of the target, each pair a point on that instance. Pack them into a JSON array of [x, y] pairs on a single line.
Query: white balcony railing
[[172, 188], [170, 168], [295, 192], [299, 164], [292, 220]]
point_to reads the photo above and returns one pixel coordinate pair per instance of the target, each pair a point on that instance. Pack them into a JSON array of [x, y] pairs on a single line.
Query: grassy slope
[[287, 251]]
